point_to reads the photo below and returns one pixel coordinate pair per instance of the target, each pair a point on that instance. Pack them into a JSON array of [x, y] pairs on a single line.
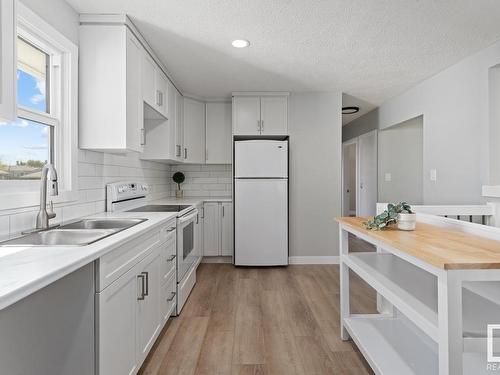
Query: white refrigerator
[[261, 203]]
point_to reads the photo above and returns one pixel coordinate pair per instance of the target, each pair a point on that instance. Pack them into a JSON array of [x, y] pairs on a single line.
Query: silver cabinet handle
[[223, 211], [178, 150], [158, 98], [203, 212], [146, 292], [185, 153], [172, 296], [142, 278], [143, 137], [258, 126], [170, 229], [171, 258], [261, 126]]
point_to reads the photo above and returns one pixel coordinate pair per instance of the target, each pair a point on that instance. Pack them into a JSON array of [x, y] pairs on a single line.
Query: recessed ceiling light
[[240, 43], [350, 110]]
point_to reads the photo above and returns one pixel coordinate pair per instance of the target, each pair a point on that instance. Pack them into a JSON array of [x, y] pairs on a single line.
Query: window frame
[[63, 108]]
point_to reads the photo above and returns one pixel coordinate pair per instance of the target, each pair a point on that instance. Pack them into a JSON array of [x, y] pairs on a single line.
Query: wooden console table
[[440, 284]]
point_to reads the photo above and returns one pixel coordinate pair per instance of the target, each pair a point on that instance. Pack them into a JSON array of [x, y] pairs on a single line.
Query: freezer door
[[260, 158], [261, 222]]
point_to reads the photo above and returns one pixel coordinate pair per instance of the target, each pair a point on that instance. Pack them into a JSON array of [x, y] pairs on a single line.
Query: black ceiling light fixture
[[350, 110]]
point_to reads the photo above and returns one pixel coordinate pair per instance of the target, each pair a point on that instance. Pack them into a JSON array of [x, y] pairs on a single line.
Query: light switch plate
[[388, 177], [433, 175]]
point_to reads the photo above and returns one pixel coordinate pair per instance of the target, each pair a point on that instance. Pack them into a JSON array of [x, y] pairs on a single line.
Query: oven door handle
[[190, 217]]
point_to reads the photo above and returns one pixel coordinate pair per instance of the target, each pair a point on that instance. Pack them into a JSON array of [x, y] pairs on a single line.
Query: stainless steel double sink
[[79, 233]]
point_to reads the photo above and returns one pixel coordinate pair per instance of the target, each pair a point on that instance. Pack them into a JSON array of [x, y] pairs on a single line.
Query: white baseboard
[[217, 260], [314, 260]]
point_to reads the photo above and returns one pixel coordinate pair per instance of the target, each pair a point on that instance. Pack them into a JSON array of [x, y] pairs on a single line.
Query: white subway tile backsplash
[[211, 180]]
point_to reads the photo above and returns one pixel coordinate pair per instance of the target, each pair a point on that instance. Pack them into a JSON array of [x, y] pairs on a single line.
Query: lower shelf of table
[[396, 346]]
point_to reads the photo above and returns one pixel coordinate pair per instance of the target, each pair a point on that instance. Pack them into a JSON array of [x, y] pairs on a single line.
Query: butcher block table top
[[443, 248]]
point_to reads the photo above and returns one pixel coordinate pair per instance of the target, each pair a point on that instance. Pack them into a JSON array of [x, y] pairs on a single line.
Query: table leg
[[450, 323], [344, 283]]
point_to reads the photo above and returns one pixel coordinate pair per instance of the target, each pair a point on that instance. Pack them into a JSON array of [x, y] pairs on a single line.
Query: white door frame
[[353, 141], [359, 171]]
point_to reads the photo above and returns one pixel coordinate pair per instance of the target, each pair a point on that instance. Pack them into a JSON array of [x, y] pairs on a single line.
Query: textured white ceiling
[[369, 49]]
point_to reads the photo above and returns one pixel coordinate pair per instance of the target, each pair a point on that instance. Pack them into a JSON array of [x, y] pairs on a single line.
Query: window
[[45, 129], [26, 145]]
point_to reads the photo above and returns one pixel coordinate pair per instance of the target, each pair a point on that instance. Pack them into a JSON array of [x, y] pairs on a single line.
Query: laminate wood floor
[[269, 321]]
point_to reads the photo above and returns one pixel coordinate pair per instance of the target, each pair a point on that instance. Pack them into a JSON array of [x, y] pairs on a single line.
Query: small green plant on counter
[[178, 178], [388, 217]]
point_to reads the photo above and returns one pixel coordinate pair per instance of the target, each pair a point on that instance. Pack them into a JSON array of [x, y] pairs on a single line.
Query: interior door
[[368, 159], [261, 222], [246, 115], [274, 115]]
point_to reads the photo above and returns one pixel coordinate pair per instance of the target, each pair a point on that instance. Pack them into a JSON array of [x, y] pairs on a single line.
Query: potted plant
[[399, 214], [178, 178]]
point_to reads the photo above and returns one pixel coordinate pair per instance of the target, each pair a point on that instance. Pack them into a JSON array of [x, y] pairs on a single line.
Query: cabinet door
[[8, 109], [211, 229], [161, 86], [148, 80], [218, 133], [148, 309], [135, 117], [227, 229], [179, 126], [246, 115], [274, 115], [194, 131], [116, 314]]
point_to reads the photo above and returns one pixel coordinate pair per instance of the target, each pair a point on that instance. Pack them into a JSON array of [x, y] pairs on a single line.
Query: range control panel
[[125, 190]]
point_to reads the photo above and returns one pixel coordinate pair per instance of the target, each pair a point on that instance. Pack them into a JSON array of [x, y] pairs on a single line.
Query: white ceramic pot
[[179, 193], [407, 221]]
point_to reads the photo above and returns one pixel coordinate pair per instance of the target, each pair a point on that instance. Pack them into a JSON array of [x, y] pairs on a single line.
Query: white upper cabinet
[[161, 92], [8, 107], [148, 80], [110, 107], [218, 133], [274, 115], [179, 127], [246, 115], [194, 131], [260, 114]]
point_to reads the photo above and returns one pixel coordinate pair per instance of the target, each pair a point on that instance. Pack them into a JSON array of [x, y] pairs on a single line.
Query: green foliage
[[178, 178], [388, 217]]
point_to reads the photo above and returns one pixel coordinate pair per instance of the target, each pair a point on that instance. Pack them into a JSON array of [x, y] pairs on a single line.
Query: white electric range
[[130, 196]]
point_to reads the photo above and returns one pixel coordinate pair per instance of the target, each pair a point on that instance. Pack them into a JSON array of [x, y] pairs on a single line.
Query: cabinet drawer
[[168, 298], [114, 264], [168, 259], [168, 232]]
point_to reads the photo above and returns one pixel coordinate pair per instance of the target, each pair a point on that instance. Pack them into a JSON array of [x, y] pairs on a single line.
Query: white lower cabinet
[[115, 323], [132, 309], [218, 229], [148, 304]]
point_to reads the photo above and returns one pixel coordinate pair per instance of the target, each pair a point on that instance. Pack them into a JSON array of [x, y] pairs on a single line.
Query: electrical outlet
[[388, 177], [433, 175]]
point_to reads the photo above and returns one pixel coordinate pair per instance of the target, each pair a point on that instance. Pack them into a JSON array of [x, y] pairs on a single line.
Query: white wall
[[400, 153], [315, 172], [455, 107]]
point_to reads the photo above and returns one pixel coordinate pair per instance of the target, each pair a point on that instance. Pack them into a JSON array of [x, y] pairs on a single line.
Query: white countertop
[[25, 270]]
